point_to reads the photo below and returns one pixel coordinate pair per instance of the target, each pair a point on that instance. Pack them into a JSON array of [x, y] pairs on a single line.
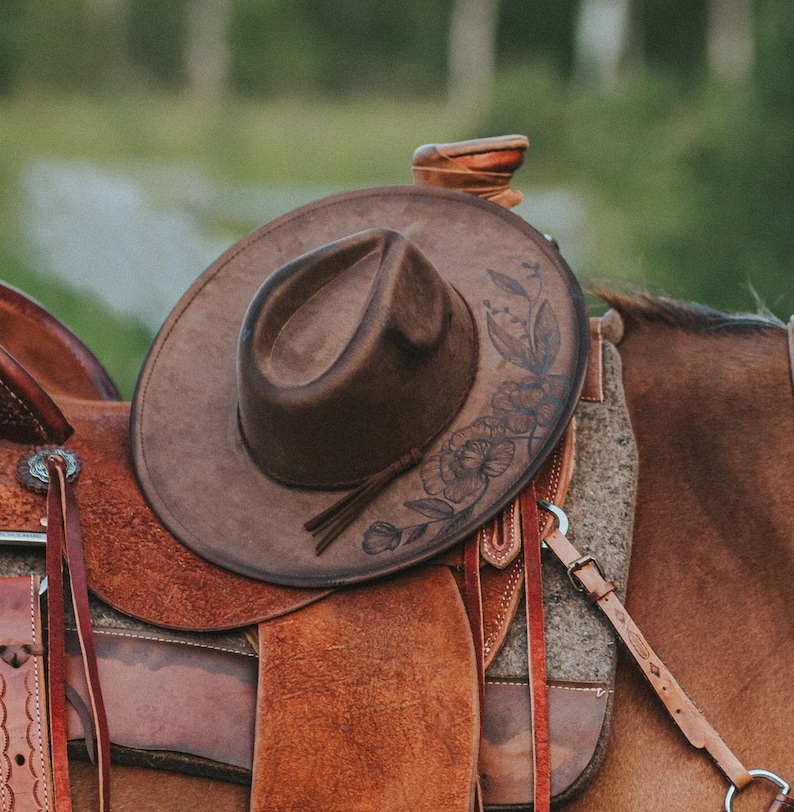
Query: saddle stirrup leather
[[25, 765], [533, 590]]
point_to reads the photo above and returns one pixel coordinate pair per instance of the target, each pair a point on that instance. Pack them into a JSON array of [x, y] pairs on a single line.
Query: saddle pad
[[581, 649], [184, 678]]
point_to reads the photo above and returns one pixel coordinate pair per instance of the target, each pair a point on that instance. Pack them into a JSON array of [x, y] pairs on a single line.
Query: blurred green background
[[139, 138]]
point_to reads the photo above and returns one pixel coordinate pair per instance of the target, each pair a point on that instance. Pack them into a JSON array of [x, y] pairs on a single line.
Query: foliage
[[690, 181]]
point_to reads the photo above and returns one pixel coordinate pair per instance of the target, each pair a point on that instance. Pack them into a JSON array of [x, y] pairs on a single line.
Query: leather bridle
[[587, 576]]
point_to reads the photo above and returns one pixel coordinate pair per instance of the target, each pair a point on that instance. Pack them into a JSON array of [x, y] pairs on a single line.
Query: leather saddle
[[364, 697]]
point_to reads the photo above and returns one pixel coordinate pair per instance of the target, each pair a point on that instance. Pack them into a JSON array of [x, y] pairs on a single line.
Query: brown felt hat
[[387, 368]]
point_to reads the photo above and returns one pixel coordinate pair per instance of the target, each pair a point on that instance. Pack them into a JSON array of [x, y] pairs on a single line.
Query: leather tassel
[[335, 519]]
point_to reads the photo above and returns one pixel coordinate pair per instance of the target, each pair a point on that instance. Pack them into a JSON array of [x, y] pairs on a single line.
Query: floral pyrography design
[[458, 476], [468, 460]]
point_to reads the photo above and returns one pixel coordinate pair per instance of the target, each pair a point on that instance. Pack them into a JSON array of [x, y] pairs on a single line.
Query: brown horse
[[710, 397]]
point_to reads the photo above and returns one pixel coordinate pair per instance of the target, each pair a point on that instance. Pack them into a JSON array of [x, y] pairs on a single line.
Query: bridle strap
[[585, 572], [782, 803]]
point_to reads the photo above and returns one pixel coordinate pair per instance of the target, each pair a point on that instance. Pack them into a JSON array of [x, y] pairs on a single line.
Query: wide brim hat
[[213, 487]]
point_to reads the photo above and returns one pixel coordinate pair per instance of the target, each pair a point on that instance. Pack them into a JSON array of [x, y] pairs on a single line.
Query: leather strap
[[689, 719], [593, 388], [27, 413], [536, 645], [528, 533], [56, 647], [63, 542], [473, 599], [782, 803], [25, 770], [472, 590]]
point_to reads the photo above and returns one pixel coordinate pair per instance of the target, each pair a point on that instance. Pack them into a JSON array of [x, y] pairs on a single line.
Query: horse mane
[[687, 316]]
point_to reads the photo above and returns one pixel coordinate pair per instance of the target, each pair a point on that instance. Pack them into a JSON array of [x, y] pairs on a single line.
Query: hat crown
[[351, 356]]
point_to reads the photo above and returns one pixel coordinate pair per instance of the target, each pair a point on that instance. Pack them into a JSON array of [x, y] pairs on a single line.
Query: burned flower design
[[381, 536], [530, 402], [468, 460], [524, 331]]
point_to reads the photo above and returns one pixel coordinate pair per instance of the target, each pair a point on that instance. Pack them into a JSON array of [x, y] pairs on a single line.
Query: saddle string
[[536, 646], [64, 545], [472, 594], [533, 589]]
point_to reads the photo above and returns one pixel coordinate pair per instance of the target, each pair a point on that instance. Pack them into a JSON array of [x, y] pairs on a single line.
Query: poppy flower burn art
[[458, 476]]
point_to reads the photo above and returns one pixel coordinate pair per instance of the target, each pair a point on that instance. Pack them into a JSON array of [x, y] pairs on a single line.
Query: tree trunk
[[207, 53], [603, 41], [472, 56], [730, 39], [110, 17]]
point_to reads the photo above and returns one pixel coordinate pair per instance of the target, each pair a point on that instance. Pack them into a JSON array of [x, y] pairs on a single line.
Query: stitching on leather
[[26, 408], [551, 493], [172, 640], [600, 690], [582, 689], [42, 778], [5, 767], [507, 594]]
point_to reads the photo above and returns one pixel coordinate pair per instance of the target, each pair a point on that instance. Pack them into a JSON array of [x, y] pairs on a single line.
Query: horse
[[711, 403], [710, 400]]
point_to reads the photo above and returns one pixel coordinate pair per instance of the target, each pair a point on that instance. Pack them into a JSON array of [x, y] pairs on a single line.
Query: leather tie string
[[536, 645], [335, 519], [64, 544], [536, 639]]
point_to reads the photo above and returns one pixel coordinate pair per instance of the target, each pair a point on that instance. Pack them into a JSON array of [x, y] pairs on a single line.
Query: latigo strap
[[63, 544]]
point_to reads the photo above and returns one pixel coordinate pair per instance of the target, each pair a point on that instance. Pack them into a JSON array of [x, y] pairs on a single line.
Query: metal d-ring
[[559, 513], [785, 788]]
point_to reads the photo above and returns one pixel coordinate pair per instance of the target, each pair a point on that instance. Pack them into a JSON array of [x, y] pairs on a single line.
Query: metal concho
[[32, 468]]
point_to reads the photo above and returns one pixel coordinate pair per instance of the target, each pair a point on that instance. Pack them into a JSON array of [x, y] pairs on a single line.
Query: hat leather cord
[[341, 514]]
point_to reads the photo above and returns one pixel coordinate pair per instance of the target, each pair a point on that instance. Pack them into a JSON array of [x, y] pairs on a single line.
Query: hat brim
[[533, 343]]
